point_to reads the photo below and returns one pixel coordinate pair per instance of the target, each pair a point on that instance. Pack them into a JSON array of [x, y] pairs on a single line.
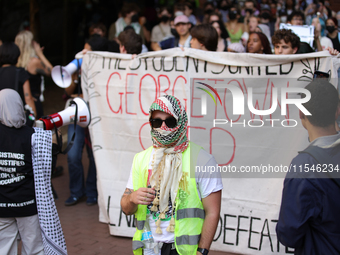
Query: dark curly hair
[[287, 36]]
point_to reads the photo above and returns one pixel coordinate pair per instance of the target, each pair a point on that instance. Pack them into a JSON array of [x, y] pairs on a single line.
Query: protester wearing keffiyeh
[[160, 185], [169, 143], [13, 119], [170, 137]]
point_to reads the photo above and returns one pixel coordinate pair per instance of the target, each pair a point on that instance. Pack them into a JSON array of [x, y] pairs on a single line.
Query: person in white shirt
[[161, 192]]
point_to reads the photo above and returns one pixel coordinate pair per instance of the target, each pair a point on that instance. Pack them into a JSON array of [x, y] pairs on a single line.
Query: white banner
[[120, 91]]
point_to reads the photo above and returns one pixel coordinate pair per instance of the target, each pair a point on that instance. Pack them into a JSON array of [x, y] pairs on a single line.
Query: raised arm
[[39, 65]]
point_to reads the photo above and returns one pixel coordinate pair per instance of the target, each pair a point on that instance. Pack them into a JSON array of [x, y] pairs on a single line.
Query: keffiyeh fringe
[[52, 233]]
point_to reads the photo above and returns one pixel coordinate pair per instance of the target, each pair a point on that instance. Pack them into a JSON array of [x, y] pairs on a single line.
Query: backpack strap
[[322, 157], [176, 42]]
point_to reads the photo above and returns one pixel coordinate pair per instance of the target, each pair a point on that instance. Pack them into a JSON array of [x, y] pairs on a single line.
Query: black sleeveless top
[[12, 77], [336, 42], [17, 193]]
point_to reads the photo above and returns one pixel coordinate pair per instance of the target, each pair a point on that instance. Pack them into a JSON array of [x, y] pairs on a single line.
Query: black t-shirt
[[304, 48], [336, 43], [17, 192], [8, 76]]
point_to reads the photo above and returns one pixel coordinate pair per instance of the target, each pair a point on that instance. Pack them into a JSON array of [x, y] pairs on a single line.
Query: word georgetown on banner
[[242, 108]]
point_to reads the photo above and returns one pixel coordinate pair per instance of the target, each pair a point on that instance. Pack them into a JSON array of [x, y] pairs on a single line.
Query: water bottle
[[147, 240]]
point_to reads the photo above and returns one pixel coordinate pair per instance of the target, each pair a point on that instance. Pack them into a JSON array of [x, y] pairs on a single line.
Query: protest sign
[[305, 32], [120, 91]]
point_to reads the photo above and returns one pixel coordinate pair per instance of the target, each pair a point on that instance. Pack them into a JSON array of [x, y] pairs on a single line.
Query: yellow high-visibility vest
[[189, 216]]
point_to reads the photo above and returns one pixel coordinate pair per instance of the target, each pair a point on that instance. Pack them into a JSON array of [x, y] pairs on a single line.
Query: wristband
[[203, 251]]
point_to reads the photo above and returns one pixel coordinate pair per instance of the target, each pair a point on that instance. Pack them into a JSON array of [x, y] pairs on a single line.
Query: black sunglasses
[[171, 122]]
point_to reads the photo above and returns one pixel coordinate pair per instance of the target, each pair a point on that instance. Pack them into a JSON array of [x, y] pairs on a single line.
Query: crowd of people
[[253, 27], [167, 26], [235, 23], [224, 26]]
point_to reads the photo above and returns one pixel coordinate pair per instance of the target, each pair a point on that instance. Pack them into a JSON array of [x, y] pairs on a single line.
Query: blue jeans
[[75, 165]]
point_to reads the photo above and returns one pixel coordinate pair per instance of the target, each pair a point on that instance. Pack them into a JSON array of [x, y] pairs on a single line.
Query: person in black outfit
[[18, 208], [333, 33], [13, 77]]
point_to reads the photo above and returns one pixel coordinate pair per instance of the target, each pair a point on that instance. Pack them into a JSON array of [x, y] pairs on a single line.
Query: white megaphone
[[67, 116], [62, 75]]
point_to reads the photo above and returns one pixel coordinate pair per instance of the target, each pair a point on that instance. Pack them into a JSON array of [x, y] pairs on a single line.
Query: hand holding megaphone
[[77, 113], [62, 75], [68, 116]]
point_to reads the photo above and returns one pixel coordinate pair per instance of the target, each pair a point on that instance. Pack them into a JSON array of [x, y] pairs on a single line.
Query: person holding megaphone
[[78, 189], [27, 205]]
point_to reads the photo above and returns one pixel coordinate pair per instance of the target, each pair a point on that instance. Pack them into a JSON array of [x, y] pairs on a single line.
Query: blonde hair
[[24, 41]]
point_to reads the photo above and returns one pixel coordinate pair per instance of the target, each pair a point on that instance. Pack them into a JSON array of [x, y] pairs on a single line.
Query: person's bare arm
[[317, 33], [28, 96], [112, 32], [318, 44], [246, 22], [244, 28], [131, 199], [155, 46], [39, 65], [212, 207], [147, 34], [70, 90]]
